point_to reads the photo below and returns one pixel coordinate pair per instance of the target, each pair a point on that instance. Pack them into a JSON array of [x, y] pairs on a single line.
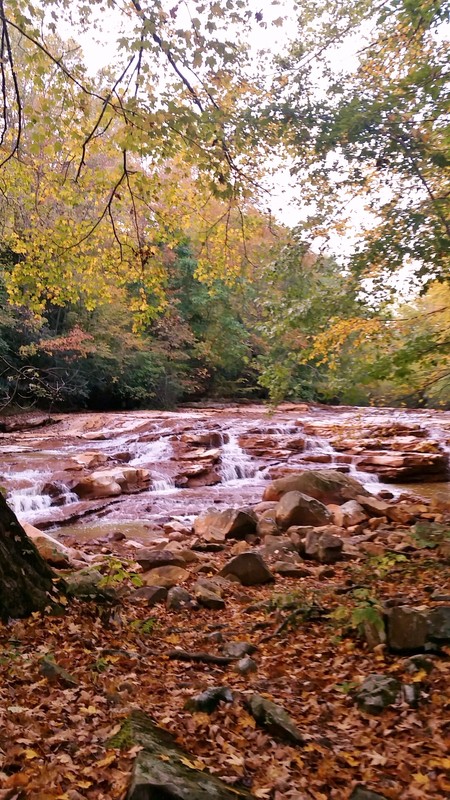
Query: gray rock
[[296, 508], [209, 700], [232, 523], [178, 598], [326, 485], [208, 598], [148, 559], [249, 568], [361, 793], [84, 583], [56, 674], [278, 546], [287, 570], [274, 719], [246, 665], [406, 629], [377, 692], [238, 649], [153, 594], [439, 625], [323, 547], [160, 769]]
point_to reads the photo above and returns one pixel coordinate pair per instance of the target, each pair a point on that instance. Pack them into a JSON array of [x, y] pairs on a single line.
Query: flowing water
[[243, 447]]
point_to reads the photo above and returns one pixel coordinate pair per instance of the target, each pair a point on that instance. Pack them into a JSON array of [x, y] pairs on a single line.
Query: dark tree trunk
[[26, 580]]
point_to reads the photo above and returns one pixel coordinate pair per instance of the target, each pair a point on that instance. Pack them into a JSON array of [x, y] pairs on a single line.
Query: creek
[[211, 456]]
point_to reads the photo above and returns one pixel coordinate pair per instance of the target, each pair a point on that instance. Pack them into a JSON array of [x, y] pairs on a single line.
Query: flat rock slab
[[163, 770]]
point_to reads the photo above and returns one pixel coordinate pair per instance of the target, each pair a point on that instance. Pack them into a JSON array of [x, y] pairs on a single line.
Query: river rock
[[377, 692], [296, 508], [274, 718], [348, 514], [52, 551], [178, 598], [208, 598], [238, 649], [246, 666], [160, 769], [232, 523], [152, 594], [374, 506], [112, 482], [323, 546], [90, 460], [396, 467], [165, 576], [249, 568], [326, 485], [407, 629], [151, 558]]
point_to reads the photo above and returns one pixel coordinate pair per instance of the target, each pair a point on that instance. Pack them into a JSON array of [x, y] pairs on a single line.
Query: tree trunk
[[26, 580]]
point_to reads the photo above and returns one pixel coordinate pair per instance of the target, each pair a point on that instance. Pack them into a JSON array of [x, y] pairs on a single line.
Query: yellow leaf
[[29, 754], [163, 757], [419, 676], [107, 760], [420, 778], [84, 784]]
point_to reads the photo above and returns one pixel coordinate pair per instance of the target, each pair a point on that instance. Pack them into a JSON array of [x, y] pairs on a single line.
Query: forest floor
[[310, 658]]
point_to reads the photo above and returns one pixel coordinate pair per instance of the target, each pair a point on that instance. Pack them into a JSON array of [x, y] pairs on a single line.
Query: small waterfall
[[316, 445], [27, 501], [147, 453], [235, 465]]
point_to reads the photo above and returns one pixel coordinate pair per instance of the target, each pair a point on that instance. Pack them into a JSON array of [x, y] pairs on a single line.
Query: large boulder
[[296, 508], [249, 568], [232, 523], [52, 551], [162, 770], [112, 482], [326, 485]]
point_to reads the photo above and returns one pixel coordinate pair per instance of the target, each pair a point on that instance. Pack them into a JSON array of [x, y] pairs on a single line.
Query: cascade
[[235, 464]]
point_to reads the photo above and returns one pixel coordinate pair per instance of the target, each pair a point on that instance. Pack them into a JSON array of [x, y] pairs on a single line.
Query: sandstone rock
[[232, 523], [249, 568], [205, 438], [241, 547], [112, 482], [165, 576], [326, 485], [160, 769], [90, 460], [406, 629], [274, 718], [377, 692], [373, 505], [402, 512], [178, 598], [152, 594], [406, 466], [208, 598], [323, 547], [296, 508], [54, 552], [348, 514], [151, 558]]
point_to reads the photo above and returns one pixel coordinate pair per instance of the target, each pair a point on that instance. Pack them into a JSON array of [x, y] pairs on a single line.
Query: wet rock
[[90, 460], [165, 576], [249, 568], [238, 649], [326, 485], [439, 625], [208, 598], [407, 629], [296, 508], [348, 514], [377, 692], [112, 482], [205, 438], [178, 598], [323, 547], [232, 523], [396, 467], [152, 594], [246, 666], [361, 793], [209, 700], [274, 719], [150, 559], [160, 769]]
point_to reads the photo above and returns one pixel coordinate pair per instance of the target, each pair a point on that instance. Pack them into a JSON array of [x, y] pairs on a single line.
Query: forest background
[[140, 264]]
